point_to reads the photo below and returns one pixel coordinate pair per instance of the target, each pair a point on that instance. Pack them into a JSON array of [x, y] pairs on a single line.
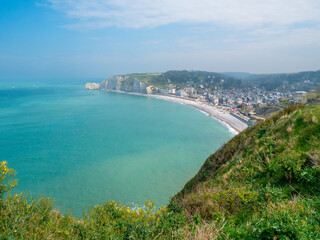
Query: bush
[[230, 203], [114, 219], [287, 166], [26, 217], [288, 220], [7, 182]]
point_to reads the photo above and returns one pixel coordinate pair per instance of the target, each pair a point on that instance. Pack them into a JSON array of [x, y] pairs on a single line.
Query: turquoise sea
[[84, 147]]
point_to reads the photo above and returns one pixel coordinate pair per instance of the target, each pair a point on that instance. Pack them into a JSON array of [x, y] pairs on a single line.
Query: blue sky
[[98, 38]]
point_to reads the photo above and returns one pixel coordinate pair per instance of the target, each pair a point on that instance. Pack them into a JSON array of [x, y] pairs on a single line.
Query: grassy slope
[[262, 184], [267, 111]]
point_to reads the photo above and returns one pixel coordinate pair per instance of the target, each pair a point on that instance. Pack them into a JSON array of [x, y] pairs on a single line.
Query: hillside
[[212, 81], [237, 75], [262, 184], [303, 81], [182, 79], [267, 110]]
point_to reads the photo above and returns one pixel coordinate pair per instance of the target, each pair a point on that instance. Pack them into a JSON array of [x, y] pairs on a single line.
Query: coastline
[[235, 125], [232, 123]]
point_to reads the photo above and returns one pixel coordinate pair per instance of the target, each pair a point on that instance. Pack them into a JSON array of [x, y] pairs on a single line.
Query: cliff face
[[92, 86], [123, 83]]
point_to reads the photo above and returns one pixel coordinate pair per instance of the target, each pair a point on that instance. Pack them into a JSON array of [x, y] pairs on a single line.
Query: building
[[152, 89]]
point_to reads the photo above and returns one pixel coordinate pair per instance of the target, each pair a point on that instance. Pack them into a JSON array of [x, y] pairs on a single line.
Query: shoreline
[[234, 125]]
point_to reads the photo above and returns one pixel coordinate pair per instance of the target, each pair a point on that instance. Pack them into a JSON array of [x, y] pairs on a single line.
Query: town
[[241, 103]]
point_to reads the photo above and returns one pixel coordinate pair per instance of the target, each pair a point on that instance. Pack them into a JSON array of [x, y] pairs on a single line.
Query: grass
[[264, 183]]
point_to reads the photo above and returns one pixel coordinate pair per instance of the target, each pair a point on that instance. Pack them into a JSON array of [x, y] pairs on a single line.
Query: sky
[[98, 38]]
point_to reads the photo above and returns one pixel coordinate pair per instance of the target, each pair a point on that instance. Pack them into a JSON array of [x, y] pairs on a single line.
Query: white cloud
[[220, 35], [153, 13]]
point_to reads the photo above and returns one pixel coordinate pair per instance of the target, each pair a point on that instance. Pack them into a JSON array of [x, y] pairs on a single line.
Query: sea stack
[[92, 86]]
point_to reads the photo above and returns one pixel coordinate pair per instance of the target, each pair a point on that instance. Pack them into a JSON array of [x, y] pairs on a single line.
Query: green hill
[[182, 79], [305, 81], [262, 184], [266, 111], [237, 75]]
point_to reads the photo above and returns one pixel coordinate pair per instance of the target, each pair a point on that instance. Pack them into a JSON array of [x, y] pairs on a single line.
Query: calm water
[[86, 147]]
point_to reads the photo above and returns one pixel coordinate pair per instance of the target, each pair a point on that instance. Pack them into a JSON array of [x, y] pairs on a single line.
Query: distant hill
[[238, 75], [303, 81], [181, 79]]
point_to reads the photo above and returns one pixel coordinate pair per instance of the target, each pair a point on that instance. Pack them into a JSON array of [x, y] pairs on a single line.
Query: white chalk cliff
[[120, 83], [92, 86]]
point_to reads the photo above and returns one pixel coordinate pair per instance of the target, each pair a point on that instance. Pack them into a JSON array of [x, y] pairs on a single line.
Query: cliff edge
[[124, 83]]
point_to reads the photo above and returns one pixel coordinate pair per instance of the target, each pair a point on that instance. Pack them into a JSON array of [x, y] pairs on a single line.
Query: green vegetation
[[305, 81], [267, 110], [189, 79], [24, 217], [145, 77], [262, 184]]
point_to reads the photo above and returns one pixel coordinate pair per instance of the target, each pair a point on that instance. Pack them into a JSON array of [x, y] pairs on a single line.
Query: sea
[[83, 148]]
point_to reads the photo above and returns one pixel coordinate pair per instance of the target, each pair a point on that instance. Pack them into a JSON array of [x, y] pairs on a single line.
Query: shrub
[[7, 182], [288, 220], [287, 166], [230, 203]]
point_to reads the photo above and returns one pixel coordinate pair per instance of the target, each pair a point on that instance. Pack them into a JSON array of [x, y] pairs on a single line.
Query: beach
[[223, 116], [233, 122]]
